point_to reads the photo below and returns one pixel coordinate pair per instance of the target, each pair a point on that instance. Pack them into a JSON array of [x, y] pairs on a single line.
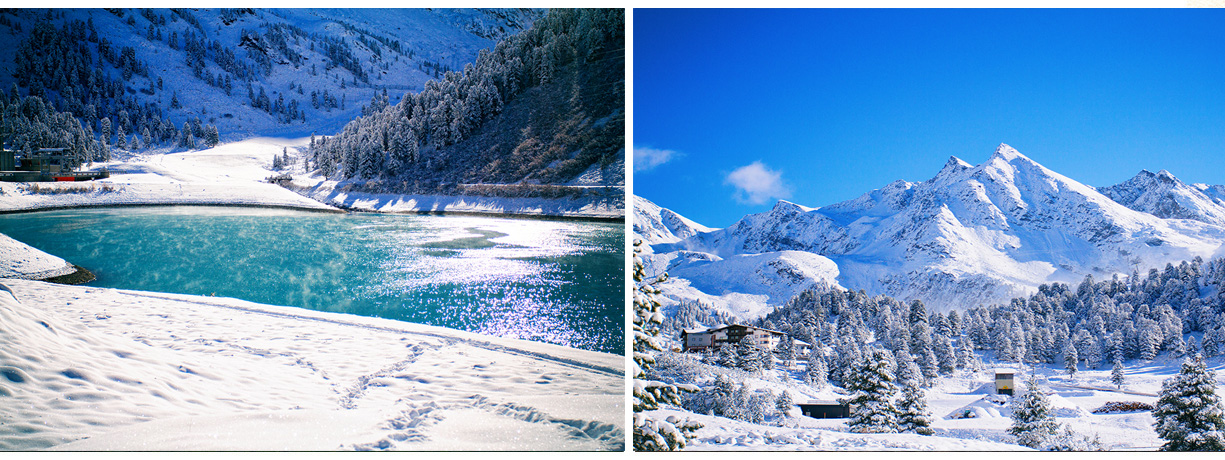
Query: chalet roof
[[725, 326]]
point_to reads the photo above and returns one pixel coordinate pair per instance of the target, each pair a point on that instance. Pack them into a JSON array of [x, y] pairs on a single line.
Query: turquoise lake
[[554, 281]]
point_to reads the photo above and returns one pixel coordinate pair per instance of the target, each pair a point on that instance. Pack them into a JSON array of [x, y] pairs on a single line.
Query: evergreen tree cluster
[[840, 325], [1084, 327], [28, 124], [394, 139], [57, 65]]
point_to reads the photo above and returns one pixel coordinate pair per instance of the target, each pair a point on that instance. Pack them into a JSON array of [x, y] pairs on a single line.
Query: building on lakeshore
[[42, 165]]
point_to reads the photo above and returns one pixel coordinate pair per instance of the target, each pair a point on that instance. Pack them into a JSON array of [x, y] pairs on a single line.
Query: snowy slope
[[229, 174], [102, 369], [1163, 195], [1214, 192], [971, 235]]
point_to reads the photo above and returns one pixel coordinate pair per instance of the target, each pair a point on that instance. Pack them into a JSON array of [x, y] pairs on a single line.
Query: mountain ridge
[[970, 235]]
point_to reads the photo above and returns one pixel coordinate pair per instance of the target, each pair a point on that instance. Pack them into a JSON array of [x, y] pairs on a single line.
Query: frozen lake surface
[[553, 281]]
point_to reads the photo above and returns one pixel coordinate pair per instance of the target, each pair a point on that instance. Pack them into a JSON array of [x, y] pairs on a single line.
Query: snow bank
[[84, 194], [101, 369], [591, 207], [19, 260]]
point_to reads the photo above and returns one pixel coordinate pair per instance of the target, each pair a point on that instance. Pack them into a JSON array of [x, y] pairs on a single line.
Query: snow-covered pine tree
[[784, 403], [1033, 422], [650, 433], [1188, 414], [913, 414], [908, 373], [872, 386], [121, 141], [722, 397], [727, 356], [1116, 374], [786, 351], [1070, 359], [750, 356], [965, 352], [946, 355], [817, 373]]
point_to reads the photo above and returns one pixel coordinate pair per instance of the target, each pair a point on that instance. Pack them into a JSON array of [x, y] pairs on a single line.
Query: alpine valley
[[970, 236]]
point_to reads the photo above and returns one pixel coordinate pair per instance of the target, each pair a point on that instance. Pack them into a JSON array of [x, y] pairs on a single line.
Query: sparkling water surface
[[551, 281]]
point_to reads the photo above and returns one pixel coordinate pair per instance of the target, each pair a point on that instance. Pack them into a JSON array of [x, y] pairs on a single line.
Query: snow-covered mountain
[[659, 225], [213, 64], [969, 236], [1163, 195], [741, 284]]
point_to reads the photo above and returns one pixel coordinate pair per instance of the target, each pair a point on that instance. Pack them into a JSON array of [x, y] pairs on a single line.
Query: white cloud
[[757, 184], [646, 158]]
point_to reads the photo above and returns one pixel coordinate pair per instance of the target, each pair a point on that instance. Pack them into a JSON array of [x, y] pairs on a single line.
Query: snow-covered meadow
[[1073, 400]]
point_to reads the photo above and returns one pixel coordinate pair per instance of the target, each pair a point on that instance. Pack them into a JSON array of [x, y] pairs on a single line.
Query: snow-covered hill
[[971, 235]]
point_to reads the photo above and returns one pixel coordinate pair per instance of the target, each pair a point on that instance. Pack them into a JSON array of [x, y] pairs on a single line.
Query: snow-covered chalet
[[707, 339]]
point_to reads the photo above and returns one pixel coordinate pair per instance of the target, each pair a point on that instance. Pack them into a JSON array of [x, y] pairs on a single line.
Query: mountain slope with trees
[[543, 107]]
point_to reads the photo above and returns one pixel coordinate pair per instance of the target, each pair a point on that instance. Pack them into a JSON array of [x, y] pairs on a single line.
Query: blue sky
[[734, 109]]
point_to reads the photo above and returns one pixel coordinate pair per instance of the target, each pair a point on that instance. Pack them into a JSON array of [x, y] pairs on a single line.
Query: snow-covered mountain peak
[[1164, 195], [1007, 153], [787, 206], [953, 166], [654, 224]]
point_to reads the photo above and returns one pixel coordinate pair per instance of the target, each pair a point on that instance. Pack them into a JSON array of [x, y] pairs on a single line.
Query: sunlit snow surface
[[85, 368], [544, 280]]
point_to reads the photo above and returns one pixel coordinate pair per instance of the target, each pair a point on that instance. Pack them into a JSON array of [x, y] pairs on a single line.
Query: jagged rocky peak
[[954, 165], [788, 207], [1166, 177]]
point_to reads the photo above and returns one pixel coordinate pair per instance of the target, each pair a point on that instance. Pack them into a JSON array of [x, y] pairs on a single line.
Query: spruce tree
[[913, 415], [1033, 422], [1070, 359], [652, 434], [872, 386], [784, 403], [817, 374], [1188, 414], [1116, 374]]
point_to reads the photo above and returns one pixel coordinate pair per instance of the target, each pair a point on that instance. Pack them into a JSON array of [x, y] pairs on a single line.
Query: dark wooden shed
[[825, 409]]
